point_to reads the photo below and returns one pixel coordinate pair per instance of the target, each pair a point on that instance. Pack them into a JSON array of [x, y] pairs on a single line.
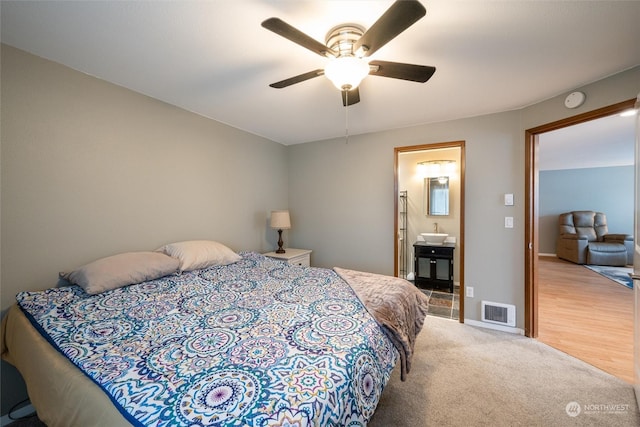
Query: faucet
[[435, 227]]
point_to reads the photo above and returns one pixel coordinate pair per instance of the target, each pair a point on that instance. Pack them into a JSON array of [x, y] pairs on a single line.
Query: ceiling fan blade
[[398, 70], [350, 97], [285, 30], [297, 79], [400, 16]]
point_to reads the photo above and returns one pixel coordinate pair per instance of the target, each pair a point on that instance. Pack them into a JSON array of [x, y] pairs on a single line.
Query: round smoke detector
[[574, 100]]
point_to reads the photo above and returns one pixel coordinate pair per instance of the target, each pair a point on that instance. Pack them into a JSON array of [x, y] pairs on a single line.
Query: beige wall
[[343, 192], [360, 191], [90, 169]]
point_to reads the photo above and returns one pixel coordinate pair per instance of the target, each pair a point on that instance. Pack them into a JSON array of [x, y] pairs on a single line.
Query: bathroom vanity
[[434, 265]]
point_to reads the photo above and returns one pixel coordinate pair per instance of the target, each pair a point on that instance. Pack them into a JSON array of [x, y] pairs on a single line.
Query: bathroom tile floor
[[443, 304]]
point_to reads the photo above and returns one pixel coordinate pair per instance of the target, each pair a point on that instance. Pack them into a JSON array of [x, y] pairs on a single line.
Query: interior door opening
[[532, 224], [414, 213]]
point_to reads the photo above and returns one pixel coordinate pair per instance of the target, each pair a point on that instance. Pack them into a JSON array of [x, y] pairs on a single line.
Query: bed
[[256, 342]]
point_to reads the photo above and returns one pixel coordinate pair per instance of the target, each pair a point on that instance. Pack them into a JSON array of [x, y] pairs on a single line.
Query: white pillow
[[196, 254], [120, 270]]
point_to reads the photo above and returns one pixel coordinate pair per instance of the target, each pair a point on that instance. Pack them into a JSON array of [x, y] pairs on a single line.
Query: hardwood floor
[[586, 315]]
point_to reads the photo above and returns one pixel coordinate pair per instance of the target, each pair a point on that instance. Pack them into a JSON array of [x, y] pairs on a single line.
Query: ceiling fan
[[347, 46]]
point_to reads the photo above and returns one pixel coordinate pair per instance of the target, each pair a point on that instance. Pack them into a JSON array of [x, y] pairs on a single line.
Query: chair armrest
[[572, 236], [617, 237]]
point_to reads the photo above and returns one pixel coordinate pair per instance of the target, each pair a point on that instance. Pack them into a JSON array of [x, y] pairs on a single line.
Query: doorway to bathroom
[[429, 204]]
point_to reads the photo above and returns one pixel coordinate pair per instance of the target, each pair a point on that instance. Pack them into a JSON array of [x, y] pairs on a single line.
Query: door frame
[[428, 147], [531, 204]]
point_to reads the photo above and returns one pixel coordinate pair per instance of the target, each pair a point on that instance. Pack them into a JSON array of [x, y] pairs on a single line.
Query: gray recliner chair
[[584, 239]]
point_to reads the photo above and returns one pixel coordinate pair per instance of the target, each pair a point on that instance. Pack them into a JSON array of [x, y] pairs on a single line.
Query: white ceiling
[[214, 58], [604, 142]]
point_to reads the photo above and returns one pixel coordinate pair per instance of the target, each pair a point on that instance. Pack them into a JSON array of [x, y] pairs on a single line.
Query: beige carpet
[[468, 376]]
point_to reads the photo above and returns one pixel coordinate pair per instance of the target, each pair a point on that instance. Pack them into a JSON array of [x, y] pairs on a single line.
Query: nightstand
[[293, 256]]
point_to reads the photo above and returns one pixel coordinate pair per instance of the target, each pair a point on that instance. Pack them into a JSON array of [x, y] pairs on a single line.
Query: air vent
[[501, 314]]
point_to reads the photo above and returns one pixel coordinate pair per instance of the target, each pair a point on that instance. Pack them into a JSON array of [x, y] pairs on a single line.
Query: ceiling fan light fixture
[[346, 72], [349, 44]]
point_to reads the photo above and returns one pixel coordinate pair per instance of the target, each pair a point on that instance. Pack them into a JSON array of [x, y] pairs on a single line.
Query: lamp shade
[[280, 220]]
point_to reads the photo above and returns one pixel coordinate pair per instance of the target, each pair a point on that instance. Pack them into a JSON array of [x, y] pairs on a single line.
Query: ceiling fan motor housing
[[341, 39]]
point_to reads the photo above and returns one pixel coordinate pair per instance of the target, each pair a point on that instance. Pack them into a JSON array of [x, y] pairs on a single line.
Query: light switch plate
[[508, 199], [508, 222]]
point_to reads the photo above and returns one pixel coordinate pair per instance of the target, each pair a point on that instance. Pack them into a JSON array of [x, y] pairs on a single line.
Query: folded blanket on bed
[[397, 305]]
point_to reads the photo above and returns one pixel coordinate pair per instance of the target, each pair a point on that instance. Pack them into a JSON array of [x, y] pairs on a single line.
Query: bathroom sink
[[434, 238]]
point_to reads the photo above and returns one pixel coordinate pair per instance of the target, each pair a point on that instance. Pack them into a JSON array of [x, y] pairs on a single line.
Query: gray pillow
[[120, 270], [196, 254]]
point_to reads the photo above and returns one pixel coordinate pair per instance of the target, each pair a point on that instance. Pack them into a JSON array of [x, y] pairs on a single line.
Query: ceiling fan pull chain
[[346, 117]]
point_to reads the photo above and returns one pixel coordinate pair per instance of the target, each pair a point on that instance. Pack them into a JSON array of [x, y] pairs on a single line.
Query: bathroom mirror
[[436, 196]]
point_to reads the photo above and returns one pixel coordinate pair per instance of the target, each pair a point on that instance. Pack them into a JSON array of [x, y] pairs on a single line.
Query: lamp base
[[280, 243]]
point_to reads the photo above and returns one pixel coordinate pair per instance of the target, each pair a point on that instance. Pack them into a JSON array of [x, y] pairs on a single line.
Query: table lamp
[[280, 221]]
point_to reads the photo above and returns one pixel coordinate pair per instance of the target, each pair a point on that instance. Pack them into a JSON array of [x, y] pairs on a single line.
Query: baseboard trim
[[509, 329], [18, 413]]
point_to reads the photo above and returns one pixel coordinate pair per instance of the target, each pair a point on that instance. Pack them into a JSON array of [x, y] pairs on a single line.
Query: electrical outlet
[[469, 290]]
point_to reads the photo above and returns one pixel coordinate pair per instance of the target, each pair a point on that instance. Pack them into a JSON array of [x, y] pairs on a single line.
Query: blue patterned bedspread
[[255, 343]]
